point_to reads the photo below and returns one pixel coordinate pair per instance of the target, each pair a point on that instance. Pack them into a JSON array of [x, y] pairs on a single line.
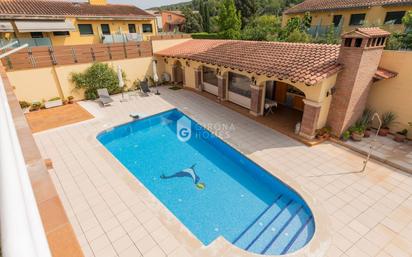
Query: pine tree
[[229, 20], [193, 21], [248, 9], [204, 12]]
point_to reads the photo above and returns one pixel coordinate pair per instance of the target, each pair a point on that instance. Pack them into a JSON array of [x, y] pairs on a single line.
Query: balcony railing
[[320, 31], [45, 41], [22, 232], [122, 38]]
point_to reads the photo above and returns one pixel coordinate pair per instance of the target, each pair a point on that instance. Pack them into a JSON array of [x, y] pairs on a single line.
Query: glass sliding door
[[209, 80], [239, 89]]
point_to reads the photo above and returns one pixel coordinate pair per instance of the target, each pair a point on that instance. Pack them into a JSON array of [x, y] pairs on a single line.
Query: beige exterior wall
[[45, 83], [394, 94], [116, 26], [34, 85], [375, 16]]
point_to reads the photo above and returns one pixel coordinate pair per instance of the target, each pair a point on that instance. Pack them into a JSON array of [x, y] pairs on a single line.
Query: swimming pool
[[209, 186]]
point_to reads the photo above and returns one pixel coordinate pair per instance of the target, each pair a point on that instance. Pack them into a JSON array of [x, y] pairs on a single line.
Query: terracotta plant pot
[[357, 136], [383, 132], [399, 138], [367, 133]]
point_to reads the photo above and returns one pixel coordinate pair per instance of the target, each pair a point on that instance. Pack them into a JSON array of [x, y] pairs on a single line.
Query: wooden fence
[[43, 56]]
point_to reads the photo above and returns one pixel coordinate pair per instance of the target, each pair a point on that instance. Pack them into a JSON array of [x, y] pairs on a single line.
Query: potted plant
[[53, 102], [366, 120], [388, 119], [323, 133], [70, 99], [25, 106], [400, 136], [345, 136], [357, 131], [35, 106]]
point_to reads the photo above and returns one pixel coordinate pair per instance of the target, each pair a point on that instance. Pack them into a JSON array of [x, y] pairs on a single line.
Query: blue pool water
[[234, 198]]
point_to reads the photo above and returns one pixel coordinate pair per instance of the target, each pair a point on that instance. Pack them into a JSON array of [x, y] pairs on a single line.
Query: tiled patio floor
[[370, 213], [385, 148]]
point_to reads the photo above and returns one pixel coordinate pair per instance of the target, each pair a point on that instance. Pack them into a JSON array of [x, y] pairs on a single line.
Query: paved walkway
[[386, 149], [370, 213]]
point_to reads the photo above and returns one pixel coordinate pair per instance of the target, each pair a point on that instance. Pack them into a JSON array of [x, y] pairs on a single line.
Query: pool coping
[[317, 246]]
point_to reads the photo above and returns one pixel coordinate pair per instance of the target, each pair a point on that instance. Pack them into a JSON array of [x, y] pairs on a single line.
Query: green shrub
[[99, 75], [24, 104], [35, 106], [54, 98], [346, 135], [205, 35], [388, 118]]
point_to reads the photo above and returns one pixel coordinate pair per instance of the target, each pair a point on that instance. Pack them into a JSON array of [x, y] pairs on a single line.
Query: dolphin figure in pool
[[189, 172]]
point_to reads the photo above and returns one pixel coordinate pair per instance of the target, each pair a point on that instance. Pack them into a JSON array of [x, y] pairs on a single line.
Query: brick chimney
[[360, 54], [98, 2]]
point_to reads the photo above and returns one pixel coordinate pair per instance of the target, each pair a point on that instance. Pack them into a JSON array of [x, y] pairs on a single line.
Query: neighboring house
[[348, 15], [327, 84], [158, 16], [54, 22], [172, 21]]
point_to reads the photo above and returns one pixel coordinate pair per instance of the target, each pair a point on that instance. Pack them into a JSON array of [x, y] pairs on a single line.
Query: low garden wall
[[395, 94], [43, 73]]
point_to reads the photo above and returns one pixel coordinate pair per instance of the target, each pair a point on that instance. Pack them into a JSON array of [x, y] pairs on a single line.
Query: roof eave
[[62, 17]]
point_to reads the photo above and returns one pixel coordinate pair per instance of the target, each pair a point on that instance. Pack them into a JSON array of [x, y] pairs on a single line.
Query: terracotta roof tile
[[382, 74], [306, 63], [56, 8], [373, 32], [327, 5]]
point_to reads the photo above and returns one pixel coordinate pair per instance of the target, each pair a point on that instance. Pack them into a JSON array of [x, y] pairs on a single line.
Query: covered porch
[[292, 108], [279, 84]]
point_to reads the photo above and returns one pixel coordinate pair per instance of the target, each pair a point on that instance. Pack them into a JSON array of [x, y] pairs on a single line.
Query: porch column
[[174, 72], [184, 76], [198, 79], [310, 119], [221, 87], [256, 100]]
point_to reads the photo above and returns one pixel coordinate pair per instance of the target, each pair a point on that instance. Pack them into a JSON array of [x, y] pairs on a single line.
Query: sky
[[144, 4]]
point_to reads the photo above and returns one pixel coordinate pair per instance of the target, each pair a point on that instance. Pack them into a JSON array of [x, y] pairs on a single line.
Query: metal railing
[[321, 30], [45, 41], [22, 232], [122, 38]]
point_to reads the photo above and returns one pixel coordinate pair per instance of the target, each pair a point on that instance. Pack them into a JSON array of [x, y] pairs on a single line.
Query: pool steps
[[281, 228]]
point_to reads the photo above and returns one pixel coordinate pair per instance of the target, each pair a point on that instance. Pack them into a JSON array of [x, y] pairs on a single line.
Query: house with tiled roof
[[61, 22], [321, 84], [350, 14]]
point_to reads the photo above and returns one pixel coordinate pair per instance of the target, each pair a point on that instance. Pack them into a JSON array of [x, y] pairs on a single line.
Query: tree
[[298, 36], [262, 28], [407, 20], [99, 75], [247, 9], [229, 20], [204, 12], [274, 7], [193, 21], [298, 27]]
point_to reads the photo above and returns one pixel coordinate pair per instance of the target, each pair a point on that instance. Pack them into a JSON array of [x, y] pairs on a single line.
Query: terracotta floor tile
[[63, 242], [57, 117]]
